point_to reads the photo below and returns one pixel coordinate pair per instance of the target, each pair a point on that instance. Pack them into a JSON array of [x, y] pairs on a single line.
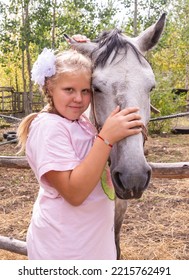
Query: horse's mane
[[114, 41]]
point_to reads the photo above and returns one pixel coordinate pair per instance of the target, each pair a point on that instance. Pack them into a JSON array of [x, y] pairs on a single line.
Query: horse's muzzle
[[133, 187]]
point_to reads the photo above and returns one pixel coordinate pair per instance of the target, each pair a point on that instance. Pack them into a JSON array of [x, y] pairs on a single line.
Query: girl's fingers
[[80, 38], [132, 116], [134, 131], [134, 124], [121, 124], [125, 112], [128, 111], [115, 111]]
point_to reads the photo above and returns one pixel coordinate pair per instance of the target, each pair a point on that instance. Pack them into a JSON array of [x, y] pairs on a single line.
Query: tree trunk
[[27, 42], [54, 24], [25, 97], [135, 18]]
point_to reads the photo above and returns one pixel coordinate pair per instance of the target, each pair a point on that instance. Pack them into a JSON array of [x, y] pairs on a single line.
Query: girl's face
[[72, 94]]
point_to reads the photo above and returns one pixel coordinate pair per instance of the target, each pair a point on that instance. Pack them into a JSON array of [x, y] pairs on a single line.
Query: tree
[[29, 26], [9, 42], [26, 27], [142, 14], [172, 56]]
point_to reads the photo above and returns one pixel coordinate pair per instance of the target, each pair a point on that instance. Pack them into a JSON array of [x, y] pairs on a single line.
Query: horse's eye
[[96, 89]]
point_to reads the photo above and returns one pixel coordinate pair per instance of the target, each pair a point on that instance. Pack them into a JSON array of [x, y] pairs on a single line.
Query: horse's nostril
[[117, 179]]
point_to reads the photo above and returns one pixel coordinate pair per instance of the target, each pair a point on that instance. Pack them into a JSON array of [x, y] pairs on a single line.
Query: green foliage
[[19, 31], [170, 63], [147, 13], [168, 103]]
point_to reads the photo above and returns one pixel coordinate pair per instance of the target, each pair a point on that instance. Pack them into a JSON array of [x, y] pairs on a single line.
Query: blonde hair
[[66, 62]]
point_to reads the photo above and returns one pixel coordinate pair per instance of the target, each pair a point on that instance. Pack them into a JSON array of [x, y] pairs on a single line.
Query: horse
[[122, 76]]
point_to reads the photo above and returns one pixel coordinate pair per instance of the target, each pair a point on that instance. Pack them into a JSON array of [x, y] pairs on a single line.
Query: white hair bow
[[43, 67]]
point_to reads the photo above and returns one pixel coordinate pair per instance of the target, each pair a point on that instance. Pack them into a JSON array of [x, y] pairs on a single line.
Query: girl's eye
[[69, 90], [86, 91]]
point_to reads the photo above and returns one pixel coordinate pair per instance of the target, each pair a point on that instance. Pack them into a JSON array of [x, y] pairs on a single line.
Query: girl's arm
[[75, 185]]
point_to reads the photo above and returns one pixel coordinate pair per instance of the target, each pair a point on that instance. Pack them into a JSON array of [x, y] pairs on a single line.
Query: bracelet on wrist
[[105, 141]]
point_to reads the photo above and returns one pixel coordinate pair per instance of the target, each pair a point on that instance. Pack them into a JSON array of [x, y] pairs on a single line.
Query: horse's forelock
[[108, 42]]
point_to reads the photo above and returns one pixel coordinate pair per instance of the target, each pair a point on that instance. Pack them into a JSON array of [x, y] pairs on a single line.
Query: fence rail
[[175, 170]]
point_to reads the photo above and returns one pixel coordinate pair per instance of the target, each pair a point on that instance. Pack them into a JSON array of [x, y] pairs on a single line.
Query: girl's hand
[[121, 124], [79, 38]]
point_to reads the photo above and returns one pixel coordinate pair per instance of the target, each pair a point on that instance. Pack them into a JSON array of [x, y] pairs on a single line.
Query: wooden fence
[[177, 170], [14, 102], [10, 101]]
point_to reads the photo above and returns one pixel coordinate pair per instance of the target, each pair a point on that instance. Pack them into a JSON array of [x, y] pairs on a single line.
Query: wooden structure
[[13, 245], [14, 102], [10, 102], [177, 170]]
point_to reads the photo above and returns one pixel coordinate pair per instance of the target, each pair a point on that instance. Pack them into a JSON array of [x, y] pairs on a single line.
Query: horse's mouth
[[133, 192], [127, 194]]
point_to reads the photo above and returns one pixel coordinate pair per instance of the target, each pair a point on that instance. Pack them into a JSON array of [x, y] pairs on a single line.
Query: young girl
[[73, 218]]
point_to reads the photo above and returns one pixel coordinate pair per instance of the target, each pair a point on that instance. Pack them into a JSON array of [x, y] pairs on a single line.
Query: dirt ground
[[156, 226]]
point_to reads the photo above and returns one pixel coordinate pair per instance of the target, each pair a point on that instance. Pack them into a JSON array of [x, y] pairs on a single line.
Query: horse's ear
[[85, 48], [150, 37]]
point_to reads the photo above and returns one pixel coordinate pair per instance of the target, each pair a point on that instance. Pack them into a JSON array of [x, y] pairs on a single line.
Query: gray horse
[[122, 76]]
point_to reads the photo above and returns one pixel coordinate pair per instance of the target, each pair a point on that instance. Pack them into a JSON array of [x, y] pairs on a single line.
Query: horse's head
[[122, 76]]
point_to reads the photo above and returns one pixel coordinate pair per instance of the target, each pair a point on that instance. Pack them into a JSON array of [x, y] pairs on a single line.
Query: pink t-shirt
[[58, 230]]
